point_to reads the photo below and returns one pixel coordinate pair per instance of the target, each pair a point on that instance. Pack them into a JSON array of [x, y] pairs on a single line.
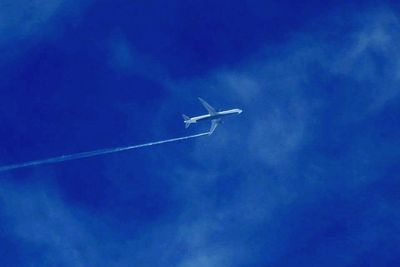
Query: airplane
[[214, 116]]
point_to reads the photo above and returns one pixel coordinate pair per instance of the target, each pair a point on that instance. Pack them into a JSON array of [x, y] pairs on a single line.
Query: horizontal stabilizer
[[186, 120]]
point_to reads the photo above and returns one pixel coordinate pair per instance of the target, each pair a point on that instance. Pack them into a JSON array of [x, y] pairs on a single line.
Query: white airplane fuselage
[[216, 116]]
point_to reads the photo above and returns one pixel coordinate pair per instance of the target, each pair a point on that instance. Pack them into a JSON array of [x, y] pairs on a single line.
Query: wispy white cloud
[[275, 126], [38, 217], [21, 18], [372, 55], [124, 58], [25, 22], [274, 92]]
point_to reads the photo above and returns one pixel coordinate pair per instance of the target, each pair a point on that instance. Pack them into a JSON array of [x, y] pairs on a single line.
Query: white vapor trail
[[92, 153]]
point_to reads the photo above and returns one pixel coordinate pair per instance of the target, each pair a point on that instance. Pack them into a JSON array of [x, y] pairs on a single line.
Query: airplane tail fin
[[186, 120]]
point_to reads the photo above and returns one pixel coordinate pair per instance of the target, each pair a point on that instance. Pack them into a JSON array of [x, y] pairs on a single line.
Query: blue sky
[[307, 175]]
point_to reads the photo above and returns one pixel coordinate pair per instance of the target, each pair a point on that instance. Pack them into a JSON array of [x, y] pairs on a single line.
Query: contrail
[[92, 153]]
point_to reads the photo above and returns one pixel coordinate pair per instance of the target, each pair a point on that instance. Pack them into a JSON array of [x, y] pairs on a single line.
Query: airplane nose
[[240, 111]]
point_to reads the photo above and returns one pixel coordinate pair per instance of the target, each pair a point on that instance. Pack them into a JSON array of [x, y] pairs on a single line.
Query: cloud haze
[[288, 182]]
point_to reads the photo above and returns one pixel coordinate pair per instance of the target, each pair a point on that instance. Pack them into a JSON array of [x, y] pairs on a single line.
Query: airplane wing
[[214, 124], [207, 106]]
